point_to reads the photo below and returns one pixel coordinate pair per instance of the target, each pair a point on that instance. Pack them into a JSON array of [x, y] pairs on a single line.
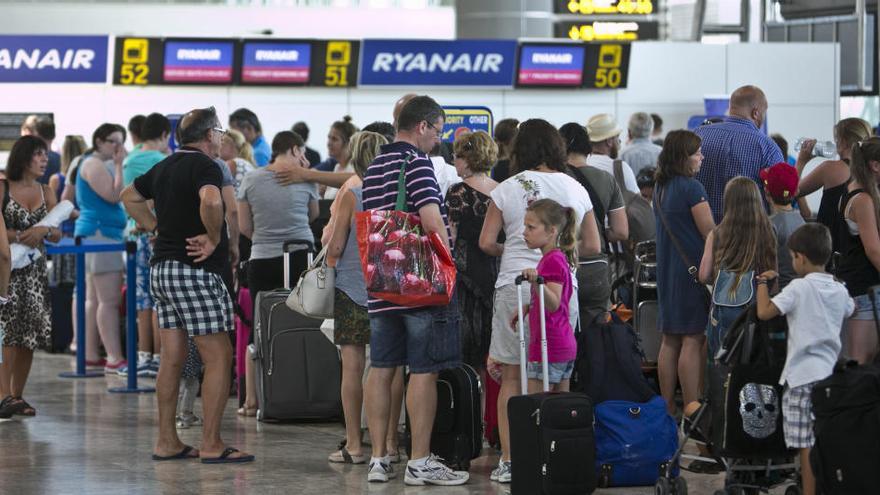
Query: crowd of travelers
[[568, 204]]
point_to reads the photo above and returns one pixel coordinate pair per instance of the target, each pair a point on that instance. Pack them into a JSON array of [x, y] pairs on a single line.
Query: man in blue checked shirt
[[736, 146]]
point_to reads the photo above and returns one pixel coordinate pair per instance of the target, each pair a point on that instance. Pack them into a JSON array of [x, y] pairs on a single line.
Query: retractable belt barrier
[[79, 247]]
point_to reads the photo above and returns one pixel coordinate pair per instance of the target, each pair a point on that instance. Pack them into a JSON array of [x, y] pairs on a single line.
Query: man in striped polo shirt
[[424, 338]]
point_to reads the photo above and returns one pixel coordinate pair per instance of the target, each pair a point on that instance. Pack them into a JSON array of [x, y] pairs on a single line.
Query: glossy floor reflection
[[85, 440]]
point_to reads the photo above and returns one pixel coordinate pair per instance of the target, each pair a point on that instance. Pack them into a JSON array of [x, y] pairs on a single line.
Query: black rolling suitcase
[[552, 448], [298, 371], [846, 405], [457, 436]]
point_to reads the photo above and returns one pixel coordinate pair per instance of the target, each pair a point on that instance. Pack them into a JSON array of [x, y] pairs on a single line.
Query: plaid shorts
[[797, 414], [144, 253], [190, 298]]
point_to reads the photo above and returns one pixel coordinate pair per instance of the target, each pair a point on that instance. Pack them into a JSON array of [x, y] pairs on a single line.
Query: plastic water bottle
[[825, 149]]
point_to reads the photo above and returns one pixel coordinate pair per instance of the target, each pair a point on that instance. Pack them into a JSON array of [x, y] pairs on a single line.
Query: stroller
[[740, 420]]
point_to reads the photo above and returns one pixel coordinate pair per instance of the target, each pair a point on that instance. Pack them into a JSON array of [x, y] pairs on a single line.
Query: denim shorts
[[863, 311], [557, 371], [425, 339]]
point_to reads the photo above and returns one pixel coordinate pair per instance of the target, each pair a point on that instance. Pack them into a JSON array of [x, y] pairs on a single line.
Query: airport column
[[504, 19]]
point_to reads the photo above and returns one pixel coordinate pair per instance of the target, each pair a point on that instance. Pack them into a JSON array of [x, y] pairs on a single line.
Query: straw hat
[[601, 127]]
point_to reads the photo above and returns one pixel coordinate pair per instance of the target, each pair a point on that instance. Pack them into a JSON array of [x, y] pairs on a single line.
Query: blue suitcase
[[634, 442]]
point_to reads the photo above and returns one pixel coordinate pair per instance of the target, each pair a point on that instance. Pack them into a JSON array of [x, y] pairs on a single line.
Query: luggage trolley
[[645, 299]]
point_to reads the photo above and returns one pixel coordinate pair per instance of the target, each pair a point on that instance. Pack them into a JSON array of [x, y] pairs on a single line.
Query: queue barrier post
[[131, 335], [77, 249]]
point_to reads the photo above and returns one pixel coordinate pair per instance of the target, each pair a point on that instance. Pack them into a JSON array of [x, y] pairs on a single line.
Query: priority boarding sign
[[466, 119]]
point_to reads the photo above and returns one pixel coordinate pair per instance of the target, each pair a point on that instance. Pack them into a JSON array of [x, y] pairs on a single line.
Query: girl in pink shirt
[[551, 228]]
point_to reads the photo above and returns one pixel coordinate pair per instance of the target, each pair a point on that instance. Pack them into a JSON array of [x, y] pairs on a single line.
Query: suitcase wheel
[[663, 487], [793, 490]]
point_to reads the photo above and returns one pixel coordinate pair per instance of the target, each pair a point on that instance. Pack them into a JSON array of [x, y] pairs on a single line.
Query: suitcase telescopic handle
[[523, 375], [288, 247]]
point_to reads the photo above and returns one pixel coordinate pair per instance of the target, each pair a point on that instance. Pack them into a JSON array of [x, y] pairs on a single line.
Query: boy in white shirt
[[815, 306]]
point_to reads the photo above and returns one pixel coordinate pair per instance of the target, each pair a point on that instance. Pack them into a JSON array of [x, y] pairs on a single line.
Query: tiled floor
[[87, 441]]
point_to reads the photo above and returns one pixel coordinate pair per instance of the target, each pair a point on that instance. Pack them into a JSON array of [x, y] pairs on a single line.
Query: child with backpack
[[815, 306], [740, 247], [551, 228]]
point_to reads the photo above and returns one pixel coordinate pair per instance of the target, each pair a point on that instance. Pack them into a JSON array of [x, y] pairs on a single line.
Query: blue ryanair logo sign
[[53, 59], [438, 63]]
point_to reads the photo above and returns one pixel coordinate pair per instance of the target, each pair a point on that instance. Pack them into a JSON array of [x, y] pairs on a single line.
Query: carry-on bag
[[457, 436], [298, 371], [552, 449], [846, 405], [609, 362], [634, 442]]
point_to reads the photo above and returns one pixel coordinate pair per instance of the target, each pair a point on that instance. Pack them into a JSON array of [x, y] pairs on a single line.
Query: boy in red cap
[[780, 187]]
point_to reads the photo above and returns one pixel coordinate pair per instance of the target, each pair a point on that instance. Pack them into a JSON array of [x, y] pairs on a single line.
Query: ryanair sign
[[438, 63], [69, 59]]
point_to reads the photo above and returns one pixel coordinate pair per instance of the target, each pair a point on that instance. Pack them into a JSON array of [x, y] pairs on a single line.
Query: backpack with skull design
[[747, 404]]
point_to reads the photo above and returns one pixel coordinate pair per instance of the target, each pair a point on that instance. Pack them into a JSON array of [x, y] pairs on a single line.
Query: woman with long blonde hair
[[740, 247], [238, 155], [860, 248]]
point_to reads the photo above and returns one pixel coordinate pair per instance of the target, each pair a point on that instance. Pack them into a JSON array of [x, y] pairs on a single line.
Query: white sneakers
[[433, 472], [380, 470], [429, 471], [501, 474]]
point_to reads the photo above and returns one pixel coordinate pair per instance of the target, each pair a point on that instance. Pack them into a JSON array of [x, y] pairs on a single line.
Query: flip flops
[[343, 456], [186, 453], [225, 459], [247, 412], [10, 406]]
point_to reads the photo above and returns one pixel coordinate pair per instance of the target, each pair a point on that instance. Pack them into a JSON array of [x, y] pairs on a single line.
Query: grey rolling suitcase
[[298, 371]]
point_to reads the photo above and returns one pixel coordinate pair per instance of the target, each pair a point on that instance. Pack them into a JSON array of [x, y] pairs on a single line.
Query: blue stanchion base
[[87, 374], [126, 390]]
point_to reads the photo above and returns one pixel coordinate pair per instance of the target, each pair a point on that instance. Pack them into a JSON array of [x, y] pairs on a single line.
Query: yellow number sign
[[338, 58], [608, 74], [135, 55]]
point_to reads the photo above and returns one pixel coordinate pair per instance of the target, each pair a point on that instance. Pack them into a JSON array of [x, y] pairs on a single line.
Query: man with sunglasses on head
[[247, 123], [424, 338], [190, 252]]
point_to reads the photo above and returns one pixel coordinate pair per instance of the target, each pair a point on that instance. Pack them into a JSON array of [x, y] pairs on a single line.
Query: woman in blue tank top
[[98, 186]]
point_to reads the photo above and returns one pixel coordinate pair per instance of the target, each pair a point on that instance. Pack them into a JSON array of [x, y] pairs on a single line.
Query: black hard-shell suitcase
[[457, 436], [552, 448], [298, 371], [846, 405]]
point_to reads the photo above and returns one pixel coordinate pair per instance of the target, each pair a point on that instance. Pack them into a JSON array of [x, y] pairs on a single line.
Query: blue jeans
[[425, 339]]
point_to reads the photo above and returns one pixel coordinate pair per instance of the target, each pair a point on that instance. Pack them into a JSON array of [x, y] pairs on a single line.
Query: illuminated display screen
[[604, 7], [607, 65], [608, 30], [551, 65], [199, 61], [138, 61], [275, 62]]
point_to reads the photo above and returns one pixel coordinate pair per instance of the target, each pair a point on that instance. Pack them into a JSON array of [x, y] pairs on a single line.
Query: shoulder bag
[[314, 291]]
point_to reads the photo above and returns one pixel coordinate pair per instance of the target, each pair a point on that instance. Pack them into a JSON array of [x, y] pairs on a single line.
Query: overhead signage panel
[[437, 63], [551, 65], [466, 119], [137, 61], [199, 61], [275, 62], [604, 7], [53, 59], [608, 30]]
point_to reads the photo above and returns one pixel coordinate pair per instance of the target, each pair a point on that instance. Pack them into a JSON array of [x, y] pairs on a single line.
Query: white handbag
[[313, 294]]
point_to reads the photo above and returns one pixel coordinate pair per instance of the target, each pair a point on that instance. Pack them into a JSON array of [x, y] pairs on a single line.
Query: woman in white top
[[538, 161], [338, 139]]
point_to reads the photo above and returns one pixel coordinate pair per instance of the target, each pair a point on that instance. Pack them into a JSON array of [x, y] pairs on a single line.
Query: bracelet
[[18, 236], [762, 281]]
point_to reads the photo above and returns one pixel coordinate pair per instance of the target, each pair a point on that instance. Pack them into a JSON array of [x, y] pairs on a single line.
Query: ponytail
[[552, 214], [862, 153]]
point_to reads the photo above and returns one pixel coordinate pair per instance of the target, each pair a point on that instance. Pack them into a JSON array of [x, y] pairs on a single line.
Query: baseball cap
[[780, 181]]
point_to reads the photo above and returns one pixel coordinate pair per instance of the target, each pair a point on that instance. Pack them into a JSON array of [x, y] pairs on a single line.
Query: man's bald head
[[399, 106], [749, 102]]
